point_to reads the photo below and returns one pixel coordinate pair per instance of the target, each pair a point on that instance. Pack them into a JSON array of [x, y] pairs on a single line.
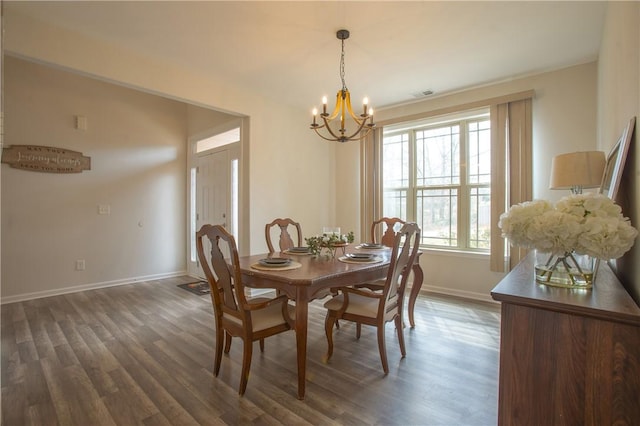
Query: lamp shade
[[577, 170]]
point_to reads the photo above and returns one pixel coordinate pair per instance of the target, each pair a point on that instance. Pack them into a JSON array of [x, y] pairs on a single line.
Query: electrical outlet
[[80, 265]]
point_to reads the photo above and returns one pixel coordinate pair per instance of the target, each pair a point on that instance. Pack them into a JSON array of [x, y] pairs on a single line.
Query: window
[[438, 174], [218, 140]]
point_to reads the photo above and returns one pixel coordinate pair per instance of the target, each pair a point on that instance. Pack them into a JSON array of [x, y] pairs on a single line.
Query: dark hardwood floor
[[142, 354]]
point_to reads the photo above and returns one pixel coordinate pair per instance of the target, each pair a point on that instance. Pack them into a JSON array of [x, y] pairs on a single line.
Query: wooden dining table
[[314, 279]]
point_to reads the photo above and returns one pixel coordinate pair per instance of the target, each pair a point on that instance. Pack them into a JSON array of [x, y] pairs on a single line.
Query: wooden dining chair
[[383, 231], [387, 228], [285, 241], [235, 315], [363, 306]]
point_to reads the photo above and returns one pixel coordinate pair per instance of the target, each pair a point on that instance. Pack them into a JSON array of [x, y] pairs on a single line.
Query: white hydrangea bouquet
[[583, 224]]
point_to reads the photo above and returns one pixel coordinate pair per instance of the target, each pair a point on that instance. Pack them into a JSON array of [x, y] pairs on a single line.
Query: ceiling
[[397, 50]]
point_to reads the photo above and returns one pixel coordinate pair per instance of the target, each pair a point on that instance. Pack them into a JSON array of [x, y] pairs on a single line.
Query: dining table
[[313, 277]]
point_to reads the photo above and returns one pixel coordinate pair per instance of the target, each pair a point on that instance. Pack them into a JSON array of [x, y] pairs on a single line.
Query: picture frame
[[615, 162]]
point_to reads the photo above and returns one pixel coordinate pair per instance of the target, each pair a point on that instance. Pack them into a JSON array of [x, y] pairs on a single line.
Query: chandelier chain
[[344, 85]]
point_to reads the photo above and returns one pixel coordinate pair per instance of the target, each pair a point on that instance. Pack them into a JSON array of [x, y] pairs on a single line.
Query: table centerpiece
[[329, 242]]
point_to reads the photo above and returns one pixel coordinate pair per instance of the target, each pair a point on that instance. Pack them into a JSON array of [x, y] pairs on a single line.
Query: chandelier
[[360, 127]]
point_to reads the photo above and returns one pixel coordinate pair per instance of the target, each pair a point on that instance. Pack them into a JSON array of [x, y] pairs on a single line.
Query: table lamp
[[577, 170]]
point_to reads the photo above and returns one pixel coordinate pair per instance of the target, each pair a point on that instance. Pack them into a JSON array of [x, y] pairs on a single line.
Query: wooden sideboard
[[567, 357]]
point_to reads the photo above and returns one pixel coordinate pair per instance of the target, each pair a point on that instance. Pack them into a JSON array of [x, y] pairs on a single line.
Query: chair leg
[[328, 329], [383, 348], [261, 345], [400, 330], [219, 346], [418, 278], [246, 365], [358, 330], [227, 343]]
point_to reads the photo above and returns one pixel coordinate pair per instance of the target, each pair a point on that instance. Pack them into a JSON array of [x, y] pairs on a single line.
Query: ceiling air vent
[[423, 93]]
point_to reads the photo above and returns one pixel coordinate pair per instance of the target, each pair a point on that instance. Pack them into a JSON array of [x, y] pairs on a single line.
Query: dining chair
[[235, 315], [386, 228], [285, 241], [364, 306]]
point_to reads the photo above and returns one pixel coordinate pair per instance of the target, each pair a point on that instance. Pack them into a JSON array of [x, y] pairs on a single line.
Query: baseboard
[[84, 287], [446, 291]]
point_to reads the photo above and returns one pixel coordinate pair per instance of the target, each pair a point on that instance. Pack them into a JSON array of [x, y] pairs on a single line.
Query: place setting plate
[[298, 251], [274, 261], [277, 263], [370, 246], [360, 258]]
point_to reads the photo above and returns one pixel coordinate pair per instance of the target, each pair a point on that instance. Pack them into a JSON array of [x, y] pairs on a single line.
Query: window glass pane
[[479, 149], [438, 216], [480, 218], [395, 161], [218, 140], [192, 219], [438, 156], [394, 204]]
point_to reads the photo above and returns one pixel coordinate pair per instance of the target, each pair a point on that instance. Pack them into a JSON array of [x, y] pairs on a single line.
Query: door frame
[[241, 149]]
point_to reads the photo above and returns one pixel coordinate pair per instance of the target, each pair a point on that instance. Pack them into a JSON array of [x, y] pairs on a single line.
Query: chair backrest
[[403, 255], [285, 241], [390, 225], [227, 291]]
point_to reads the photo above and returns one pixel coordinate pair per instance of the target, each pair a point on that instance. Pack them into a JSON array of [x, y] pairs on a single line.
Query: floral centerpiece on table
[[328, 241], [583, 224]]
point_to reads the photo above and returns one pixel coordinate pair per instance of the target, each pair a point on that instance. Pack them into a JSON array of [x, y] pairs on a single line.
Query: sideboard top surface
[[607, 300]]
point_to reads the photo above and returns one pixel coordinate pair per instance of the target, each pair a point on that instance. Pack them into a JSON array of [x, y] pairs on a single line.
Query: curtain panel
[[511, 166], [511, 173]]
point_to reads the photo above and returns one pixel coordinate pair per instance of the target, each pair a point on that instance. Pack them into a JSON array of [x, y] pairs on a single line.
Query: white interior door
[[213, 195]]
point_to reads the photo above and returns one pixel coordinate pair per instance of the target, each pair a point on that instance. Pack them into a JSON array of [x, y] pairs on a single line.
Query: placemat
[[345, 259], [292, 265]]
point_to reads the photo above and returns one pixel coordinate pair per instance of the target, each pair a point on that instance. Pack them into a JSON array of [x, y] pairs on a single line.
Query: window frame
[[463, 188]]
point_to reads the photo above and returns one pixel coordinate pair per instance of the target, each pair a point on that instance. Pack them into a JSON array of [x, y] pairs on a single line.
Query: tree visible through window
[[438, 174]]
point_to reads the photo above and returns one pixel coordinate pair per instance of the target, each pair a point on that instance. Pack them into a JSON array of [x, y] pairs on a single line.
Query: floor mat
[[199, 287]]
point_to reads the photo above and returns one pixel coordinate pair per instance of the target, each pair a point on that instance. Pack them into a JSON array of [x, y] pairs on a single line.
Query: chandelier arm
[[335, 139], [317, 126], [330, 130], [360, 127], [342, 138]]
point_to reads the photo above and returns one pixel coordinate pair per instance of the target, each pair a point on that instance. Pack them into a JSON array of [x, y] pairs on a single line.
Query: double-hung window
[[437, 173]]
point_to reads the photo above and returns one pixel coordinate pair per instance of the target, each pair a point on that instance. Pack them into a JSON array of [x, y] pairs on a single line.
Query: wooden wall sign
[[45, 159]]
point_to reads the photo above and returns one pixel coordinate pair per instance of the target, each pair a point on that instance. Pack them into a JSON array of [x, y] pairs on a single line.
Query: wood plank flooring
[[142, 354]]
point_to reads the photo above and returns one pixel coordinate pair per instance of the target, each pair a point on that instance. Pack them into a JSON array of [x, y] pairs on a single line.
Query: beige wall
[[564, 120], [618, 102], [291, 173], [137, 147]]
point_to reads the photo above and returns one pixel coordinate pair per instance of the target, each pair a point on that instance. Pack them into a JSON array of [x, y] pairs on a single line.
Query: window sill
[[455, 253]]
